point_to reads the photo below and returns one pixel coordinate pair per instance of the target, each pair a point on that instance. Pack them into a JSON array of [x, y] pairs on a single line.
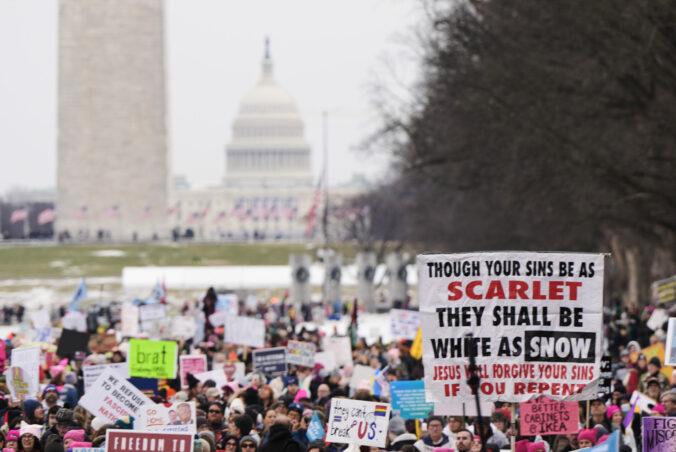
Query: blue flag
[[79, 295], [157, 295], [315, 430]]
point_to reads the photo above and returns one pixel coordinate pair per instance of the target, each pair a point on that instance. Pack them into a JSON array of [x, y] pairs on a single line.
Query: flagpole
[[326, 180]]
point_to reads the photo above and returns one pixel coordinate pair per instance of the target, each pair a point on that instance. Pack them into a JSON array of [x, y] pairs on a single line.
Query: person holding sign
[[435, 436]]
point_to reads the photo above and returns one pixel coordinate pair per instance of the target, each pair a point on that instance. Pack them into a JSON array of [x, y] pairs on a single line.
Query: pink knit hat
[[535, 447], [589, 434], [31, 429], [75, 444], [301, 394], [522, 446], [75, 435], [612, 409], [12, 435]]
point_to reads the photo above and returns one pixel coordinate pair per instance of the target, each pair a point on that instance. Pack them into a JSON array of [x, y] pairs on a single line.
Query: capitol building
[[268, 190]]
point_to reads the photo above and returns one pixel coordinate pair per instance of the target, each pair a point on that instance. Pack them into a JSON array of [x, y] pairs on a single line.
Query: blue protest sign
[[408, 398]]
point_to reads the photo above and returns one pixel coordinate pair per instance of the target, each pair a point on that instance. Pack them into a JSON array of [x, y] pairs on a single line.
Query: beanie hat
[[301, 394], [291, 380], [212, 392], [655, 361], [49, 388], [30, 429], [64, 416], [75, 435], [97, 423], [535, 447], [248, 438], [589, 434], [521, 446], [125, 422], [243, 423], [12, 435], [612, 409], [29, 406], [397, 426], [75, 444]]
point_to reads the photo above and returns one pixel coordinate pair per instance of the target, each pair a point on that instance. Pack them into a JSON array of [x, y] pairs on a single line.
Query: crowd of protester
[[255, 413]]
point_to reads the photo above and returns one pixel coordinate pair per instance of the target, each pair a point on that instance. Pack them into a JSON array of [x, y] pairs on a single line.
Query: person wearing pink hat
[[521, 446], [12, 440], [587, 437], [72, 436], [614, 414], [537, 447], [29, 438], [75, 444]]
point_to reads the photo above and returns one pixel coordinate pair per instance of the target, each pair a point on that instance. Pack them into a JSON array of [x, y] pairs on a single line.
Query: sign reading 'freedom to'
[[532, 320]]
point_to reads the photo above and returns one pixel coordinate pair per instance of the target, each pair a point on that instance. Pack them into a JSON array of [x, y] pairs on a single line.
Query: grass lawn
[[56, 261]]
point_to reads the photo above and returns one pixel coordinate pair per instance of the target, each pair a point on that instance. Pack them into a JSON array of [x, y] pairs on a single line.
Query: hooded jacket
[[426, 445], [280, 440]]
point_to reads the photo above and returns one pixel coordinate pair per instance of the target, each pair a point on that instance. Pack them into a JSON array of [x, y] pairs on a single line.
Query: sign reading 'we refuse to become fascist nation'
[[532, 320]]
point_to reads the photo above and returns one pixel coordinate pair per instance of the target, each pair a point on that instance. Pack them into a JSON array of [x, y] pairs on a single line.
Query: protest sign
[[102, 343], [193, 364], [404, 323], [664, 292], [148, 386], [670, 352], [112, 396], [532, 320], [659, 434], [152, 312], [181, 327], [129, 320], [358, 422], [300, 353], [21, 384], [218, 318], [408, 399], [91, 373], [134, 441], [326, 359], [74, 320], [227, 303], [341, 348], [152, 359], [28, 358], [548, 417], [177, 417], [40, 318], [361, 375], [245, 331], [88, 449], [658, 351], [72, 341], [642, 402], [606, 375], [270, 361]]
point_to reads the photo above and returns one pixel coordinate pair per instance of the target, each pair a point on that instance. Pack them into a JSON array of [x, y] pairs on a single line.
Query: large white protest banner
[[670, 353], [177, 417], [404, 323], [112, 397], [358, 422], [532, 320], [245, 331], [91, 373]]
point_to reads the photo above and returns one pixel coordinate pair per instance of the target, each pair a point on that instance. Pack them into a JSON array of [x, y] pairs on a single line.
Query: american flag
[[312, 213], [255, 209], [194, 216], [46, 216], [239, 210], [19, 214], [274, 209], [81, 213], [204, 212], [175, 208], [290, 209], [145, 212], [112, 212], [221, 215]]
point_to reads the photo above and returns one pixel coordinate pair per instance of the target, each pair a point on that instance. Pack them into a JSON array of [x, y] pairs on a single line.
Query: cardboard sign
[[300, 353], [664, 292], [21, 384], [270, 361], [28, 358], [92, 373], [193, 364], [228, 303], [341, 349], [404, 323], [102, 343], [361, 374], [112, 396], [134, 441], [358, 422], [177, 417], [532, 320], [408, 399], [548, 417], [72, 341], [658, 434], [326, 359], [670, 352], [152, 312], [129, 316], [152, 359], [245, 331]]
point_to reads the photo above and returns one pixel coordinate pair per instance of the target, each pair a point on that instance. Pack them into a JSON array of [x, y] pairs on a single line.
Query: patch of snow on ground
[[109, 253]]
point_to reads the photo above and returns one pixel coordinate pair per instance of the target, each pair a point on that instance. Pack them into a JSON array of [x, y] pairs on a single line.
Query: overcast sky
[[326, 54]]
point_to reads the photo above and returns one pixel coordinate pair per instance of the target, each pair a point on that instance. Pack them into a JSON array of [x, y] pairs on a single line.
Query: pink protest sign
[[548, 417], [192, 364]]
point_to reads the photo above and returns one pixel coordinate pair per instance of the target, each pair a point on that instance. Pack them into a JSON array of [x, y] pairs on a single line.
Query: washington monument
[[113, 163]]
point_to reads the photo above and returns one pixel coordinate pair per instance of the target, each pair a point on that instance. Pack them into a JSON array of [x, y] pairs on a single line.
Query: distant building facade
[[113, 163]]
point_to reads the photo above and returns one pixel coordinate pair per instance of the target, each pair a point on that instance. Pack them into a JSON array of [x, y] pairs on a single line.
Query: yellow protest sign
[[152, 359], [654, 350]]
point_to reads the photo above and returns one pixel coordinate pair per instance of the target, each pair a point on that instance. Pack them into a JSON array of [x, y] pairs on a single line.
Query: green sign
[[152, 359]]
